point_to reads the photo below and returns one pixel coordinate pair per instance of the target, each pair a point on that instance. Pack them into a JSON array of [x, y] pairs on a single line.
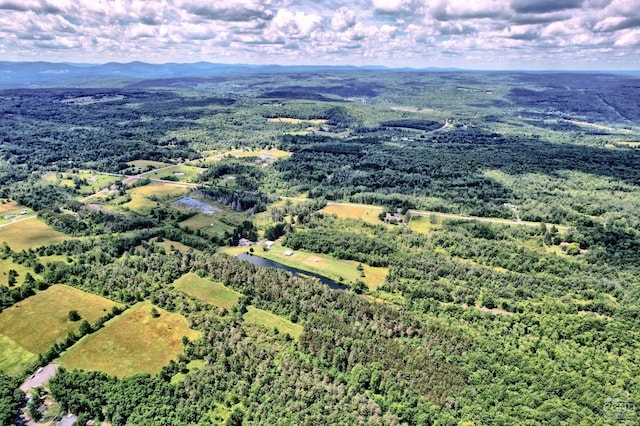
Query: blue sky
[[482, 34]]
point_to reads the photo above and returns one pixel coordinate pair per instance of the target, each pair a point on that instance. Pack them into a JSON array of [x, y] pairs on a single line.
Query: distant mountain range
[[52, 74]]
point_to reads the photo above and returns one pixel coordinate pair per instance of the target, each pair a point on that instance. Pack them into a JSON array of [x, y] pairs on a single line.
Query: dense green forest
[[503, 215]]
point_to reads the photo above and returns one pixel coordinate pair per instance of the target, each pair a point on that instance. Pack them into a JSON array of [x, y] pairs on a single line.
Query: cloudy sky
[[482, 34]]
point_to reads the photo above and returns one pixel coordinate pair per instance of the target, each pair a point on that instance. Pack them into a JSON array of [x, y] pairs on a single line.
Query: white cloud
[[295, 25], [395, 32], [343, 19]]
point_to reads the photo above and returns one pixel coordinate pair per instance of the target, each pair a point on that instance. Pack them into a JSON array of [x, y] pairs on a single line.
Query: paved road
[[40, 377]]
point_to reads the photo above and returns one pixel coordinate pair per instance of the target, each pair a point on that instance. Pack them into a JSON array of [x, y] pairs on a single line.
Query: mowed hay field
[[141, 197], [290, 120], [30, 233], [368, 214], [146, 163], [131, 343], [269, 320], [182, 173], [14, 359], [209, 291], [39, 321]]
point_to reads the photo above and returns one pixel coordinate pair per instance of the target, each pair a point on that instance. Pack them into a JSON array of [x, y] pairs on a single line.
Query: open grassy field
[[30, 233], [290, 120], [199, 221], [423, 224], [142, 197], [146, 163], [182, 173], [208, 224], [243, 153], [94, 181], [325, 265], [169, 246], [269, 320], [13, 358], [209, 291], [368, 214], [39, 321], [234, 251], [131, 343], [7, 264]]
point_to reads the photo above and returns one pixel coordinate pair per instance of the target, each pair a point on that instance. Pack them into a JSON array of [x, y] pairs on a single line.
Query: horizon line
[[324, 65]]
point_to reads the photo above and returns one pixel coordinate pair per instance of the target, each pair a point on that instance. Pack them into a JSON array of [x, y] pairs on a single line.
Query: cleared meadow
[[181, 173], [30, 233], [368, 214], [14, 359], [146, 163], [40, 320], [269, 320], [209, 291], [145, 197], [132, 343]]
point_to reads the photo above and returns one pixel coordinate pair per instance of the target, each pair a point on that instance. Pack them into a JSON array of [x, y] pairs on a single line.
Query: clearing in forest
[[8, 207], [336, 269], [207, 224], [269, 320], [147, 163], [7, 264], [30, 233], [147, 196], [368, 214], [209, 291], [181, 172], [133, 343], [41, 320], [289, 120]]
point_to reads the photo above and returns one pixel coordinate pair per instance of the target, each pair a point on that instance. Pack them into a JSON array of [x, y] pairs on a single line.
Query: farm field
[[89, 183], [182, 173], [269, 320], [208, 224], [24, 322], [14, 359], [209, 291], [290, 120], [368, 214], [146, 163], [142, 197], [244, 153], [30, 233], [336, 269], [131, 343], [169, 246]]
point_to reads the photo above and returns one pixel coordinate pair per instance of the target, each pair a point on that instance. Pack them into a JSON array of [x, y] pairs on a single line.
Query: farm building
[[243, 242]]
